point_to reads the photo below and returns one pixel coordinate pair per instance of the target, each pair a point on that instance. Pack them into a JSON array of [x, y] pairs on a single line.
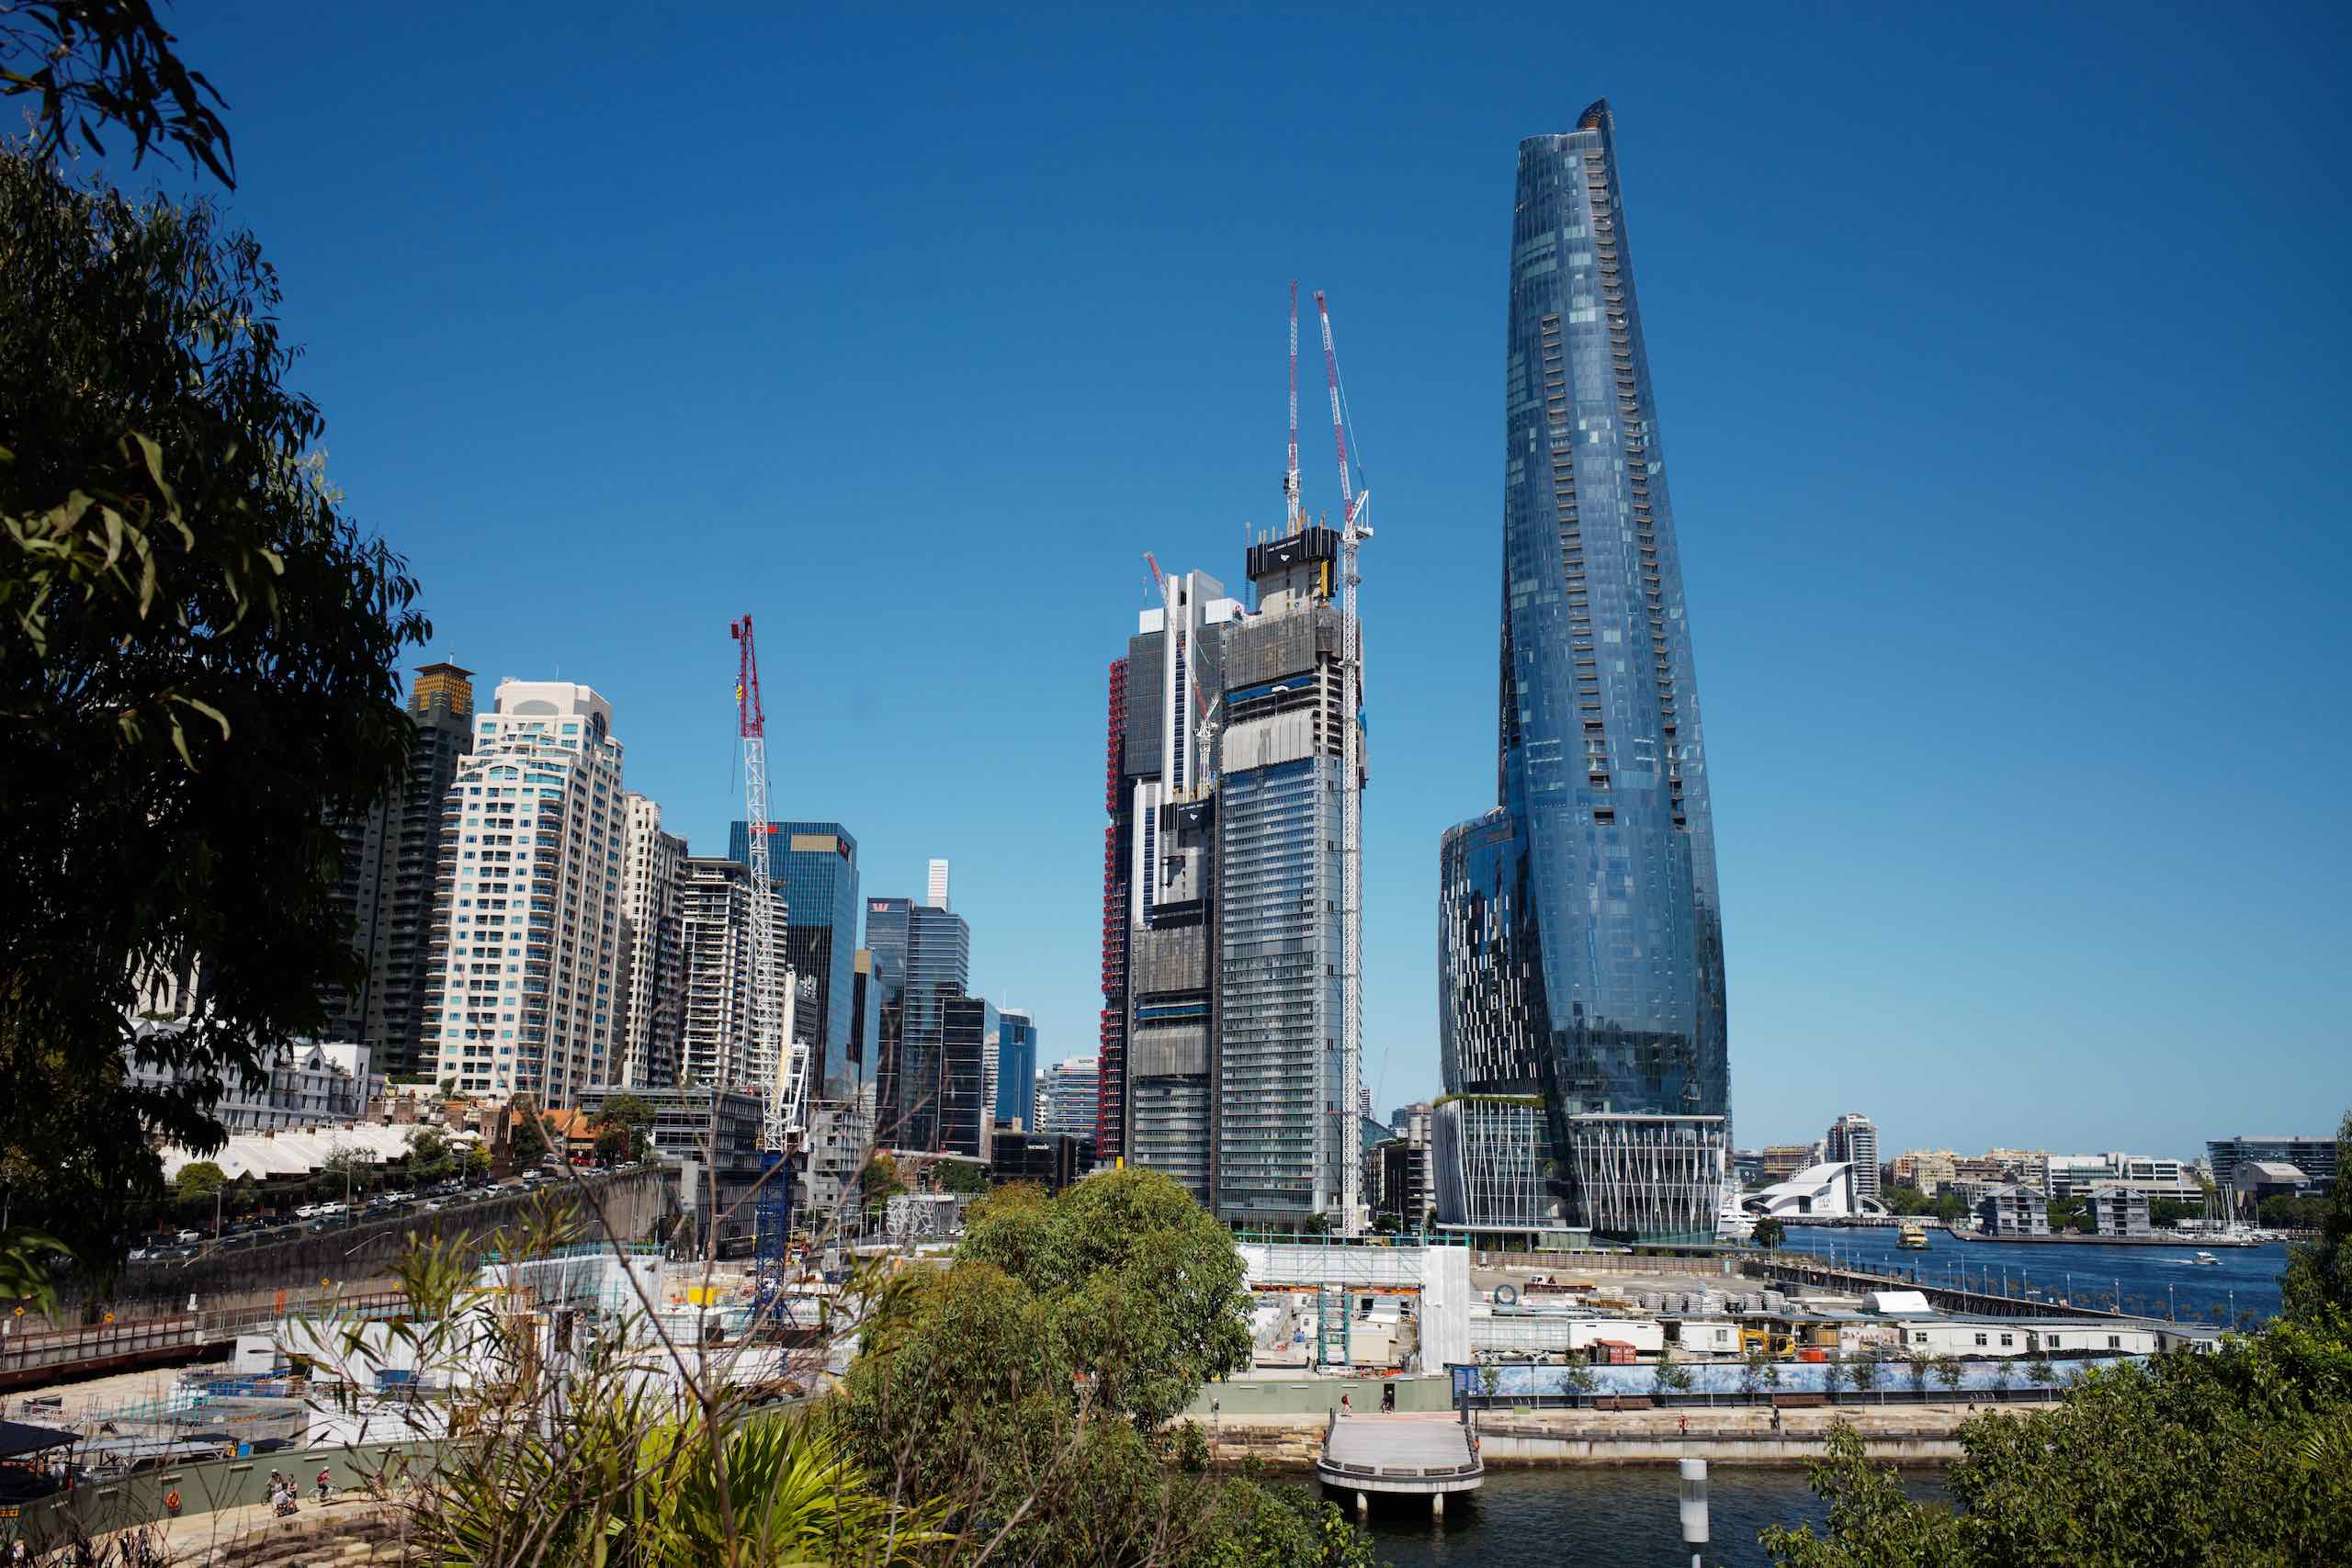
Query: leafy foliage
[[963, 1179], [199, 1179], [1770, 1232], [631, 1116], [2241, 1456], [430, 1152], [1029, 1386], [527, 1141], [92, 63], [197, 670], [1145, 1286]]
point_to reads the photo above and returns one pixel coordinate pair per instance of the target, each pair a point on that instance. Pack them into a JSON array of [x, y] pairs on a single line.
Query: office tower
[[1016, 1068], [1223, 969], [2317, 1159], [1853, 1137], [527, 1001], [652, 982], [937, 892], [715, 1047], [815, 867], [1169, 1030], [925, 956], [1074, 1087], [1581, 948], [969, 1036], [391, 870], [1118, 850], [864, 1023], [1283, 1096]]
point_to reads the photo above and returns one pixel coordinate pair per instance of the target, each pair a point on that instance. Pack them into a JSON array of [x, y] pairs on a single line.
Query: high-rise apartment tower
[[391, 871], [651, 983], [1853, 1137], [1581, 948], [527, 1001]]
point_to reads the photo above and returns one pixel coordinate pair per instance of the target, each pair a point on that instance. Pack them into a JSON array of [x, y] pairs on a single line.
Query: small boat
[[2205, 1261], [1912, 1237]]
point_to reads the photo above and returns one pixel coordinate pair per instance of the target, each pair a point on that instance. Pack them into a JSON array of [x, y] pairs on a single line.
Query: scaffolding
[[1331, 1326]]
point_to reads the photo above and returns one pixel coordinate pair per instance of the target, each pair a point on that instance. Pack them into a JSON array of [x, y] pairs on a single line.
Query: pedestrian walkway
[[1399, 1455]]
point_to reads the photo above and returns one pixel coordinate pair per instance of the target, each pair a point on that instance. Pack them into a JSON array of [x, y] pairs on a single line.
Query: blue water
[[2157, 1280], [1524, 1519]]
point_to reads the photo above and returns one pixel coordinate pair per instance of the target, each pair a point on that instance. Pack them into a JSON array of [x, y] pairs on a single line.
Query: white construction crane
[[1353, 531]]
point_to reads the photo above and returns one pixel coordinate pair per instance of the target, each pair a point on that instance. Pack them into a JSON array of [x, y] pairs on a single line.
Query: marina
[[2238, 1288]]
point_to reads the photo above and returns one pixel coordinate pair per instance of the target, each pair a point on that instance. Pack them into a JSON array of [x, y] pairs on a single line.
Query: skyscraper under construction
[[1223, 947]]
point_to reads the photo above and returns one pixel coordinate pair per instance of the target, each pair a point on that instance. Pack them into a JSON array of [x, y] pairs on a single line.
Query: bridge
[[1403, 1456]]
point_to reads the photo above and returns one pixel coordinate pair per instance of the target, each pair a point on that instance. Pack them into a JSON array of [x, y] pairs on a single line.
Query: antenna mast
[[1353, 531]]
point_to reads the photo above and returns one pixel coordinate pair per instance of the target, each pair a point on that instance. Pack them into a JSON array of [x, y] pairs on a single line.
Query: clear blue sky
[[2002, 357]]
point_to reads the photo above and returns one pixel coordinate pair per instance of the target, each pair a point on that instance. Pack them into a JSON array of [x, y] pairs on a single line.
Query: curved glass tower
[[1581, 941]]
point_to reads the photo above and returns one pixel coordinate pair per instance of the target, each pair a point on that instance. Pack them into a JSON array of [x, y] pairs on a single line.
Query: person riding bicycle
[[326, 1483]]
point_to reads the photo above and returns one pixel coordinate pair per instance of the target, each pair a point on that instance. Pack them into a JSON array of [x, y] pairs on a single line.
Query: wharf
[[1394, 1455]]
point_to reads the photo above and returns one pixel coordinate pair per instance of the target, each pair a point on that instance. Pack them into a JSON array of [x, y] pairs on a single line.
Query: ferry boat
[[1911, 1238]]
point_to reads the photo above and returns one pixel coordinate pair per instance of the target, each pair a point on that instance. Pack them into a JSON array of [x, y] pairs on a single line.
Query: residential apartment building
[[392, 871], [2013, 1210], [1579, 928], [717, 1048], [652, 982], [1853, 1138], [2117, 1211], [1072, 1097], [1927, 1169], [533, 829]]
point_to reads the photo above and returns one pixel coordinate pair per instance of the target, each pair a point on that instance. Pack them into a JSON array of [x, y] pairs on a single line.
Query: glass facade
[[1580, 935], [1278, 1068], [815, 866], [1016, 1069], [923, 959], [1492, 1161], [969, 1029]]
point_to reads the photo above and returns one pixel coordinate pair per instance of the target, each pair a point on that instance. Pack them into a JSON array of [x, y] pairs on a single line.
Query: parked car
[[186, 1237]]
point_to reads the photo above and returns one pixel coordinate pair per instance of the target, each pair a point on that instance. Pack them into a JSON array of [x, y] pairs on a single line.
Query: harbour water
[[1521, 1518], [2240, 1290]]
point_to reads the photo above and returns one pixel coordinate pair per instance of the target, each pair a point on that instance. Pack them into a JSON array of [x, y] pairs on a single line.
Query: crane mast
[[1353, 531], [770, 1058]]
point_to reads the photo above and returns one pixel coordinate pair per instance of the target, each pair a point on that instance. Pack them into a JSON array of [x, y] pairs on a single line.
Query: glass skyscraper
[[924, 958], [1580, 937], [814, 865]]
